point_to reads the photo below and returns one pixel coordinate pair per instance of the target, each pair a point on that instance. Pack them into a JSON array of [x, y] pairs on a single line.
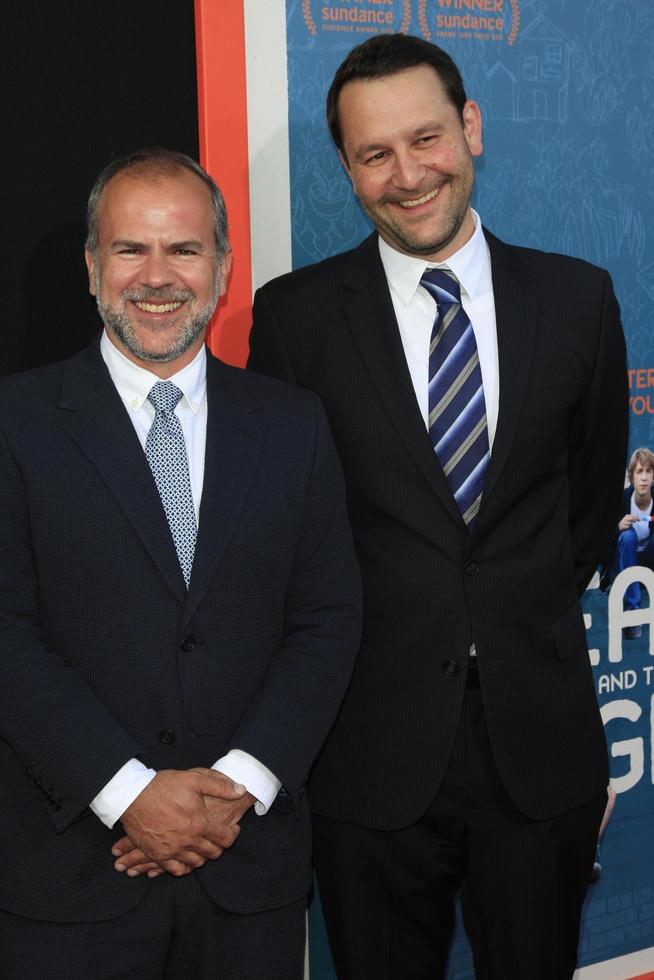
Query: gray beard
[[119, 323]]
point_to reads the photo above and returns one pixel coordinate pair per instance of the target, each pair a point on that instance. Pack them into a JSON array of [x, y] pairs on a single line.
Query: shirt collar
[[134, 383], [404, 272]]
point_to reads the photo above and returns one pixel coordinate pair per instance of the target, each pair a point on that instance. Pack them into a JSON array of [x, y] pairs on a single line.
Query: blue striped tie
[[457, 410]]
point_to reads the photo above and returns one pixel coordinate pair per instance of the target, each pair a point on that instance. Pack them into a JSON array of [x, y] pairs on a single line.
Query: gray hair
[[155, 161]]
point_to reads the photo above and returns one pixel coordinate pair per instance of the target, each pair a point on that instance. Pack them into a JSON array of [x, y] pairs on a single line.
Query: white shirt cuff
[[241, 767], [114, 798]]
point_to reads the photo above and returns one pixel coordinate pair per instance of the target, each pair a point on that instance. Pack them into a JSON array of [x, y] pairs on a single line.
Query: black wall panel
[[82, 82]]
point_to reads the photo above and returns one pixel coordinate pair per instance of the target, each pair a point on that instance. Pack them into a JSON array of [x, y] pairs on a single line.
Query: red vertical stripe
[[222, 110]]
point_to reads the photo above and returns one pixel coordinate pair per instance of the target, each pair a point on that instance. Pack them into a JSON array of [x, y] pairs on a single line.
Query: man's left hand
[[224, 812]]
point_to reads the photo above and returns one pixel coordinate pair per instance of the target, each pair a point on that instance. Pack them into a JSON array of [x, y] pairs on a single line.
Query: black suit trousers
[[389, 896], [176, 932]]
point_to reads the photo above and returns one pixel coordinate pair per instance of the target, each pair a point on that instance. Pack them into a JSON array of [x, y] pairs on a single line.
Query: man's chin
[[151, 355], [157, 357], [164, 354], [160, 350], [423, 248], [427, 243]]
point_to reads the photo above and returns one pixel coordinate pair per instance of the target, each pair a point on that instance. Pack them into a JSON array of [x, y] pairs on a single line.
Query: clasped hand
[[181, 820]]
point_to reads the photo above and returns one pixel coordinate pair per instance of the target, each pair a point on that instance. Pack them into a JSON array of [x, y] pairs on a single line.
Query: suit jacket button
[[55, 805], [471, 567], [166, 736], [450, 668], [188, 644]]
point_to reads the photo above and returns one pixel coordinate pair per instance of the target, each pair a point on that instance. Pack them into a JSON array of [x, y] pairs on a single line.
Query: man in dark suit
[[178, 620], [477, 395]]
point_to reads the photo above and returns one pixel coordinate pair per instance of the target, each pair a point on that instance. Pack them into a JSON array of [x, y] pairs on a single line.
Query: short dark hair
[[388, 54], [153, 162]]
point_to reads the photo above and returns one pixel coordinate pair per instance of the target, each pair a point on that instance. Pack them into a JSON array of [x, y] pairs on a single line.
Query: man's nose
[[156, 270], [409, 172]]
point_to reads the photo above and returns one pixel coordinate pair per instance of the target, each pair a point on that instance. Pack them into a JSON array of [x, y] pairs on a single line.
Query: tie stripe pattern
[[457, 411], [165, 450]]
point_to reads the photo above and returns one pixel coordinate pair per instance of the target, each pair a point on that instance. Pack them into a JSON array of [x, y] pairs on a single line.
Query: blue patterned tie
[[457, 410], [165, 450]]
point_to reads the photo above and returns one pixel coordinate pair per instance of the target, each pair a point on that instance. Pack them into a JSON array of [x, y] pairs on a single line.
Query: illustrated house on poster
[[502, 88], [544, 72]]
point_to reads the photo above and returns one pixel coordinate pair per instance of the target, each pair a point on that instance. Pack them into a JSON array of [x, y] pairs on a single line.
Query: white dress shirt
[[642, 525], [415, 310], [133, 384]]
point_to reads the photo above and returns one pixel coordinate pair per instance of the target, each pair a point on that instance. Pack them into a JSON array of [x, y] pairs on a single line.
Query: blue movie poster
[[566, 89]]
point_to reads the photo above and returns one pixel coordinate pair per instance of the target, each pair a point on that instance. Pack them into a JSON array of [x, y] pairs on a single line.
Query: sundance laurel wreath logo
[[357, 16], [478, 20]]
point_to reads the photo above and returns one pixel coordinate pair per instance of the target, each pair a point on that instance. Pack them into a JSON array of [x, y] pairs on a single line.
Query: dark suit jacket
[[431, 587], [104, 655]]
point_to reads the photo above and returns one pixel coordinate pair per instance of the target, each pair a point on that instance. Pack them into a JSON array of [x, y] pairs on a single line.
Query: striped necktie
[[165, 450], [457, 410]]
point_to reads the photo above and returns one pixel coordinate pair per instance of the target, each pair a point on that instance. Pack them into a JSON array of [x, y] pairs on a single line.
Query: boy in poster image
[[635, 543]]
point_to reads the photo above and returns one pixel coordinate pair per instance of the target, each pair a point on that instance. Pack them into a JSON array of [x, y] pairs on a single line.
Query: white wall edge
[[267, 102]]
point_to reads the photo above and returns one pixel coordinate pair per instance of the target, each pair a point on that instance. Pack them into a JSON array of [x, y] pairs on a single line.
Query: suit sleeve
[[288, 720], [598, 455], [268, 353], [67, 740]]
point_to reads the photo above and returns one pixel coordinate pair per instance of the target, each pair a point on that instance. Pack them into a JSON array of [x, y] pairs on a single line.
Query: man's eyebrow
[[126, 243], [190, 243], [432, 127], [363, 151]]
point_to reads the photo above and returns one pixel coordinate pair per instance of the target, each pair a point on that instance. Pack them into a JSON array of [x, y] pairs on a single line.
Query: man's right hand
[[626, 522], [169, 820]]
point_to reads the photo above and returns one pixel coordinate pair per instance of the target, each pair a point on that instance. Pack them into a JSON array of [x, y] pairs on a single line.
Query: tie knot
[[164, 396], [442, 285]]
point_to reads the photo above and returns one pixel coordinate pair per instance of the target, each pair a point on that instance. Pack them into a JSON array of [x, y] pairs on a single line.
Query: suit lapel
[[368, 309], [235, 433], [369, 312], [516, 314], [95, 417]]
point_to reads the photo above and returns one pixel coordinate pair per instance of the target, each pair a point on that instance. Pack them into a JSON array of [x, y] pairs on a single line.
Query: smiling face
[[643, 477], [155, 273], [409, 156]]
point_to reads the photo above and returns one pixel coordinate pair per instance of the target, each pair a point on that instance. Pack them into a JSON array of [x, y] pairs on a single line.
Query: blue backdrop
[[566, 89]]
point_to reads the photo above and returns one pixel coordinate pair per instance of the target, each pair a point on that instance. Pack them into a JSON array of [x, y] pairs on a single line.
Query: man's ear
[[90, 266], [225, 269], [472, 128]]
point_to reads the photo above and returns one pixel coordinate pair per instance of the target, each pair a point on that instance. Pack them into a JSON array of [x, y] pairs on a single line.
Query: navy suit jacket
[[430, 586], [104, 655]]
